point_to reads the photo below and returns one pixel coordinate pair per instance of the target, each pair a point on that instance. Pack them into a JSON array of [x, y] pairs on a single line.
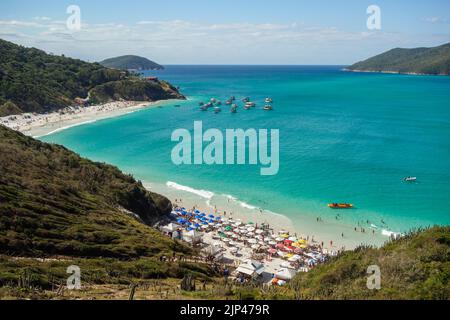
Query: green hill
[[131, 62], [414, 267], [34, 81], [433, 61], [53, 202]]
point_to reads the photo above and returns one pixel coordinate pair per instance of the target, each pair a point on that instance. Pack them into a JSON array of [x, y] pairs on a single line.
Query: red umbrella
[[280, 246], [288, 242], [272, 251], [290, 248]]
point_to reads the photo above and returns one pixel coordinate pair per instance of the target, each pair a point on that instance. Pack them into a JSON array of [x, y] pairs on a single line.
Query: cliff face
[[34, 81], [52, 201], [433, 61]]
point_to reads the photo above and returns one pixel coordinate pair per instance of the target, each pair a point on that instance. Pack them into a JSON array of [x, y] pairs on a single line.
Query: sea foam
[[202, 193]]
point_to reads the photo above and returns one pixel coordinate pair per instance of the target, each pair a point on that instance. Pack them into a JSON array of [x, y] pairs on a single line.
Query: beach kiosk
[[286, 274], [251, 269], [192, 236], [172, 230]]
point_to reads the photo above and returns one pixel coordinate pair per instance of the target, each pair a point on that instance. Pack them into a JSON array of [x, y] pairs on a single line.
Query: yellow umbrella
[[285, 236]]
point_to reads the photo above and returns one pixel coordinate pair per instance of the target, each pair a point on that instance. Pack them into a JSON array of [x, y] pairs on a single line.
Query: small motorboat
[[246, 99], [201, 103], [228, 102], [250, 104], [268, 108], [217, 110], [234, 108], [340, 206], [410, 179], [269, 100]]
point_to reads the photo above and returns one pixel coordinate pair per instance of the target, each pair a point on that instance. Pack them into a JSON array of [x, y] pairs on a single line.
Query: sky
[[304, 32]]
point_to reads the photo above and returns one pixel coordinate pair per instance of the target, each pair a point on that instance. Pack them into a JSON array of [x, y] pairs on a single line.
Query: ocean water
[[344, 137]]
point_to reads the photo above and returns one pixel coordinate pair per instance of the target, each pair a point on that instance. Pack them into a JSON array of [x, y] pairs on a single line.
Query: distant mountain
[[433, 61], [131, 63], [34, 81]]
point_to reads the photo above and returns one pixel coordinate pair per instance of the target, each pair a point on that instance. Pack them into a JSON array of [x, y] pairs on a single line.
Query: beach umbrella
[[189, 229], [283, 232], [229, 233], [272, 251], [255, 247], [197, 225], [205, 223], [261, 243], [201, 214], [280, 246], [234, 250], [279, 239], [251, 229], [288, 242], [252, 241], [211, 216], [272, 243], [285, 236], [226, 240], [250, 223], [204, 227], [228, 228], [259, 231], [188, 223], [218, 218], [211, 221], [293, 239]]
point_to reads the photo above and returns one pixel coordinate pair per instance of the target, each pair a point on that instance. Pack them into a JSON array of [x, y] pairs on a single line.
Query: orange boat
[[340, 206]]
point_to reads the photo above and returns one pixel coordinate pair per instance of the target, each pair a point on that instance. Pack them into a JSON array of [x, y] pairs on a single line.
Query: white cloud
[[180, 41]]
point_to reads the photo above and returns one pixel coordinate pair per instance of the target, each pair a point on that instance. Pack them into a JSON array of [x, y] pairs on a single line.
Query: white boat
[[217, 110], [268, 108], [269, 100], [410, 179]]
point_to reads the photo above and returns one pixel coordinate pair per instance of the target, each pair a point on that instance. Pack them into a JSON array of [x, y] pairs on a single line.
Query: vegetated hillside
[[138, 90], [34, 81], [414, 267], [131, 62], [53, 202], [433, 61]]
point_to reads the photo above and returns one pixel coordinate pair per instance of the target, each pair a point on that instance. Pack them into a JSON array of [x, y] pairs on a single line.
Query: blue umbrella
[[189, 229], [203, 214], [211, 216], [188, 223], [196, 211], [218, 218], [205, 223], [197, 225], [211, 221]]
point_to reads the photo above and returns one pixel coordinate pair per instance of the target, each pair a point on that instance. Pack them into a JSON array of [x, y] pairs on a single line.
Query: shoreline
[[395, 72], [40, 125], [306, 226]]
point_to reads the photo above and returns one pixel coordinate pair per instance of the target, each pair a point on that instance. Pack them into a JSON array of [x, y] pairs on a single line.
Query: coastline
[[394, 72], [306, 226], [39, 125]]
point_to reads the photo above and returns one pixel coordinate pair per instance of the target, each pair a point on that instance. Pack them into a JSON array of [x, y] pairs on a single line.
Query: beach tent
[[192, 236], [251, 268], [286, 274], [172, 227]]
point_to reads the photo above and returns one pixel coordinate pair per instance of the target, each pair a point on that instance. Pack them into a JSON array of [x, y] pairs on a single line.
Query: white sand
[[38, 125]]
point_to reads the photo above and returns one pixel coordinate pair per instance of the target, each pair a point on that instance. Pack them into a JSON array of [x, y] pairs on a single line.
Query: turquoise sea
[[344, 137]]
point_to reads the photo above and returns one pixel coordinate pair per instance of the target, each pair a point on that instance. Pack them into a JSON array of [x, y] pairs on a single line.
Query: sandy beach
[[38, 125], [328, 232]]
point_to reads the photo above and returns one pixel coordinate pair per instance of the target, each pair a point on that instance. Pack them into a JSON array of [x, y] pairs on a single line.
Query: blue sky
[[226, 32]]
